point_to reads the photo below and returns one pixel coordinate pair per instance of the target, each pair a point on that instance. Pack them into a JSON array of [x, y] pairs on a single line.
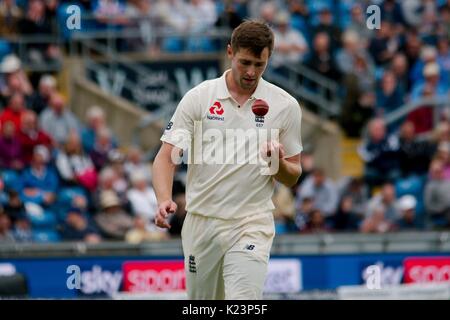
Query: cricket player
[[229, 227]]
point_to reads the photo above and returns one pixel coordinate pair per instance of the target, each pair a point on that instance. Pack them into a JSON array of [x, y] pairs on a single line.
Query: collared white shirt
[[231, 188]]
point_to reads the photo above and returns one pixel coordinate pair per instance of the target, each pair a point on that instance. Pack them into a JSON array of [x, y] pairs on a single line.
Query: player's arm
[[289, 170], [164, 167]]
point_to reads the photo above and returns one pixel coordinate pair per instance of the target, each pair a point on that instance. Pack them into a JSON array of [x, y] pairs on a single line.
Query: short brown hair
[[254, 36]]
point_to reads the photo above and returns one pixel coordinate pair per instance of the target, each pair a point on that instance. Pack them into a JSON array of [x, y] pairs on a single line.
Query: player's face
[[246, 68]]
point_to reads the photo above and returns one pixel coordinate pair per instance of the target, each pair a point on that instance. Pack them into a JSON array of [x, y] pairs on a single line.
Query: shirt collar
[[224, 93]]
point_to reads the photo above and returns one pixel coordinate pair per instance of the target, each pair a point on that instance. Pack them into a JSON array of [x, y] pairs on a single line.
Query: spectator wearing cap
[[74, 166], [11, 155], [40, 181], [78, 226], [322, 190], [15, 78], [428, 56], [114, 222], [380, 153], [290, 45], [57, 121], [30, 135], [407, 208], [41, 98], [431, 87], [437, 190]]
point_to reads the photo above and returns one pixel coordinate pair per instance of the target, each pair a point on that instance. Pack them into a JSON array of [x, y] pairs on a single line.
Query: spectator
[[384, 45], [443, 154], [391, 11], [95, 118], [117, 163], [399, 67], [388, 201], [37, 23], [380, 154], [321, 58], [57, 121], [407, 209], [134, 162], [11, 156], [6, 235], [112, 220], [322, 190], [326, 25], [74, 166], [108, 181], [389, 94], [41, 98], [10, 15], [345, 218], [103, 146], [30, 136], [16, 81], [229, 18], [78, 227], [437, 189], [14, 110], [290, 44], [40, 181], [304, 209], [428, 56], [143, 200], [316, 223], [415, 155], [22, 229], [14, 206], [357, 191], [358, 24], [376, 222]]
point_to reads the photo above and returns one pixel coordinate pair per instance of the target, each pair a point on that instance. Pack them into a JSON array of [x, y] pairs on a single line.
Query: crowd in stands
[[67, 179]]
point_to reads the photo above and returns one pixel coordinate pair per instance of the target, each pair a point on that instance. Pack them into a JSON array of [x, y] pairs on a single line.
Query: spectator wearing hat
[[78, 226], [57, 121], [431, 86], [11, 155], [30, 135], [113, 221], [40, 181], [15, 78], [290, 45], [407, 210]]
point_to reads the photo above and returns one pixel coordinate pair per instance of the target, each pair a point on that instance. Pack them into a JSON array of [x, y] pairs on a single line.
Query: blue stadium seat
[[11, 180], [46, 236]]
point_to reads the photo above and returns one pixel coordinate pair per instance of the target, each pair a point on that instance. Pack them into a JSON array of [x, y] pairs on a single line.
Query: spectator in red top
[[14, 111], [30, 135], [10, 148]]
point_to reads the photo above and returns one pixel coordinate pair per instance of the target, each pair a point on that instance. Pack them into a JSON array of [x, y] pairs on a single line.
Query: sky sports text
[[230, 146]]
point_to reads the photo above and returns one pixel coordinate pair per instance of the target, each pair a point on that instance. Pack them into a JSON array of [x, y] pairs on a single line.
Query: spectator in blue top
[[389, 94], [40, 181]]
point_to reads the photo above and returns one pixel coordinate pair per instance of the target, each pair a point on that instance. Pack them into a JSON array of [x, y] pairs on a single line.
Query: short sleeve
[[179, 130], [290, 135]]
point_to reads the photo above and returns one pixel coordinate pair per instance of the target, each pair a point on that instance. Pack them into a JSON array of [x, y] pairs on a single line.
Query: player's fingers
[[173, 207]]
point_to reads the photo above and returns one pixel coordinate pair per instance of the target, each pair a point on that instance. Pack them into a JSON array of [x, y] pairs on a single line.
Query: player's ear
[[229, 51]]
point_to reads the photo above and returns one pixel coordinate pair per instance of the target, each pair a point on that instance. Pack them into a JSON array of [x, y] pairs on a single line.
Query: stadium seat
[[46, 236], [11, 180], [39, 217]]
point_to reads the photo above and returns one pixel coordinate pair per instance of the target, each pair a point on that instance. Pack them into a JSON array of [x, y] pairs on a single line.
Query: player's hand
[[164, 209], [273, 147]]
